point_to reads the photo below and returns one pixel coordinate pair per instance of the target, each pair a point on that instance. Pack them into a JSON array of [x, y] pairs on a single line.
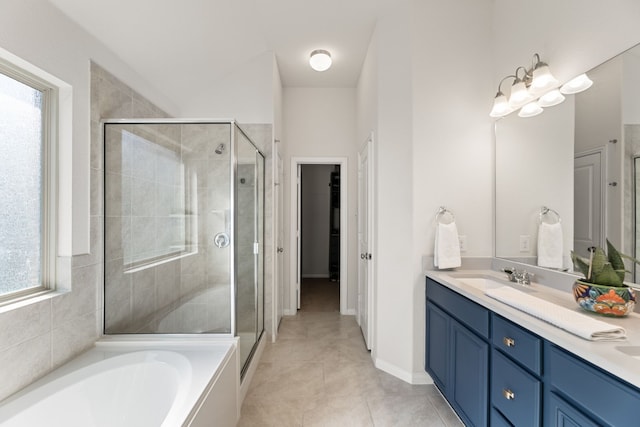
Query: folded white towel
[[550, 245], [447, 246], [578, 324]]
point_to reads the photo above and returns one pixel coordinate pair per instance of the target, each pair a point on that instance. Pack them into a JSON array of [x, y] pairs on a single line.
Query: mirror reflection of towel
[[550, 245], [447, 246]]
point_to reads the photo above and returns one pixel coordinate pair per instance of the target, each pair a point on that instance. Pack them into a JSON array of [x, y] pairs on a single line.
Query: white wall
[[394, 299], [572, 36], [321, 122], [246, 94], [452, 134]]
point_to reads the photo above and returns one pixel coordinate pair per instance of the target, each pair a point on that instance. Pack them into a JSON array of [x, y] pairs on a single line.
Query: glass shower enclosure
[[184, 227]]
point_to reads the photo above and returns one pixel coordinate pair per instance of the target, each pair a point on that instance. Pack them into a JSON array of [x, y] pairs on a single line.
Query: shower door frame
[[232, 222]]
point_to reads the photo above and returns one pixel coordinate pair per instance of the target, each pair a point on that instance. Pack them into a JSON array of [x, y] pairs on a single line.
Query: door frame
[[278, 227], [602, 188], [294, 260]]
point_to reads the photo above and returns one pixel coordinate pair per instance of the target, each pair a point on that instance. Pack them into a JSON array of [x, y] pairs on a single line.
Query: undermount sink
[[482, 282], [477, 281], [633, 351]]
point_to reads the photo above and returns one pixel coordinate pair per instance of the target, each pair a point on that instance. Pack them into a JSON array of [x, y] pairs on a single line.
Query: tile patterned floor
[[319, 373]]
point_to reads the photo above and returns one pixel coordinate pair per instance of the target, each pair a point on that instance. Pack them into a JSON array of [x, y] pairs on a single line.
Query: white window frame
[[48, 219]]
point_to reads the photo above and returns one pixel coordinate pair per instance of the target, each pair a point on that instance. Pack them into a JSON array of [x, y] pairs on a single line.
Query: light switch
[[525, 243]]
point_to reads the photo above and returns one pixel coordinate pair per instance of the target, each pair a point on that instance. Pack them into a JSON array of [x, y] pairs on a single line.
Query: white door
[[279, 234], [588, 202], [365, 228]]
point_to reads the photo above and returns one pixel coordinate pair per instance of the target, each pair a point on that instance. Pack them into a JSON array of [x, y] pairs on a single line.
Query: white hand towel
[[550, 245], [447, 246], [578, 324]]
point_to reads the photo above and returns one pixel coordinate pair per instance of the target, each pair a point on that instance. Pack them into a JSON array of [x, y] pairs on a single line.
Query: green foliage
[[606, 268]]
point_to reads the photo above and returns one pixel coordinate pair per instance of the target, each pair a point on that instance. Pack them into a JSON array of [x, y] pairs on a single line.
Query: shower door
[[249, 190], [168, 227]]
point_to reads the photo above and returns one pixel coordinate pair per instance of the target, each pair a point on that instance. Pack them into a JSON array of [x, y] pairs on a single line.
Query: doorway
[[318, 231], [320, 237]]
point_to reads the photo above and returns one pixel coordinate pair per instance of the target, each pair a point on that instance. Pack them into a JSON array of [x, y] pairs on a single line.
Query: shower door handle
[[221, 240]]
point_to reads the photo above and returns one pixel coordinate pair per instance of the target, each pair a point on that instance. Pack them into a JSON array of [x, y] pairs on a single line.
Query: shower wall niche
[[184, 247]]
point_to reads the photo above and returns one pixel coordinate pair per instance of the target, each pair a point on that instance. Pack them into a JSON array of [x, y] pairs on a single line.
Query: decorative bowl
[[606, 300]]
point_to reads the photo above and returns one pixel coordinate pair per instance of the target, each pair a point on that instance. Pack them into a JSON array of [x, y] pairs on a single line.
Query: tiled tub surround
[[43, 333], [40, 334], [604, 354]]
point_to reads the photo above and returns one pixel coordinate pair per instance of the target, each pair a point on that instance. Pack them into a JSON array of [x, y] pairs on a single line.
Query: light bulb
[[530, 110], [577, 84], [550, 99]]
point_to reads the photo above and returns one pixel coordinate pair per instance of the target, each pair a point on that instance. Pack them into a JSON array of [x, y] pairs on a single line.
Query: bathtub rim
[[198, 350]]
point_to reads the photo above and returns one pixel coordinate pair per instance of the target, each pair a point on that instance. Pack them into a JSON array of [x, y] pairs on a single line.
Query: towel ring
[[442, 212], [544, 211]]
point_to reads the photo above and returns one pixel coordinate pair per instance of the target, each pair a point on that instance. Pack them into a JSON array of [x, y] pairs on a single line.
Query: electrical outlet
[[525, 243], [463, 243]]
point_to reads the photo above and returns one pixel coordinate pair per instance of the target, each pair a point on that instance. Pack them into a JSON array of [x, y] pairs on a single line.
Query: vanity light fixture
[[320, 60], [535, 90], [576, 85]]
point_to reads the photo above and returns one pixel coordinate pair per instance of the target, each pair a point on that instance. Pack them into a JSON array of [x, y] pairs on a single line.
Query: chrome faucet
[[522, 277]]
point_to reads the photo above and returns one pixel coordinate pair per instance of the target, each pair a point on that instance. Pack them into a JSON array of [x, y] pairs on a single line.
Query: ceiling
[[208, 39]]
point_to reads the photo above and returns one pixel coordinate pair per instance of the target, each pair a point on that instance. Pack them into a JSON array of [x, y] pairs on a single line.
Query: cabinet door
[[437, 351], [470, 371], [564, 415]]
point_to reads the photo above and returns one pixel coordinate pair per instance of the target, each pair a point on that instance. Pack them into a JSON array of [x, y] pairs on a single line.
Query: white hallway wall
[[321, 122]]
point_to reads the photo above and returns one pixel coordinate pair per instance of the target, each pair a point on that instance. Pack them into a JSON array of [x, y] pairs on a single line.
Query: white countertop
[[604, 354]]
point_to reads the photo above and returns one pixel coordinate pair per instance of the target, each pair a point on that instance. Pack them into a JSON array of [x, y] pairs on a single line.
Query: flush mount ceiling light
[[536, 89], [320, 60]]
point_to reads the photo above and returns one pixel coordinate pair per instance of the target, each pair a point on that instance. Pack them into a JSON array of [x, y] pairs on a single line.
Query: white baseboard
[[289, 312], [408, 377], [350, 312]]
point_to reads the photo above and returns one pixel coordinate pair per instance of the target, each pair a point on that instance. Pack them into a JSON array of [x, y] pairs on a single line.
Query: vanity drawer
[[472, 315], [519, 344], [514, 392]]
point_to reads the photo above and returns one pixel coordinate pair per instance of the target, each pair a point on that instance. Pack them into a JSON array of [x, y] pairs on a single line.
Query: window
[[25, 184]]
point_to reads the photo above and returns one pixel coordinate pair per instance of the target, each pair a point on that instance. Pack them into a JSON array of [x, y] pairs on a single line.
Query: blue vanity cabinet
[[579, 393], [495, 372], [457, 352]]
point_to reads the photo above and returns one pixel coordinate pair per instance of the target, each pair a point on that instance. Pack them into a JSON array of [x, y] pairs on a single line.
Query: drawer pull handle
[[509, 342], [508, 394]]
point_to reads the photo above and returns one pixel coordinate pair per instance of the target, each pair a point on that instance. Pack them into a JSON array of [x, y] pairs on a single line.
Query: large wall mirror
[[572, 173]]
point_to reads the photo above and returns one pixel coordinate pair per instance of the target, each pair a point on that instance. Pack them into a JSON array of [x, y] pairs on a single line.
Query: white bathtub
[[135, 383]]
